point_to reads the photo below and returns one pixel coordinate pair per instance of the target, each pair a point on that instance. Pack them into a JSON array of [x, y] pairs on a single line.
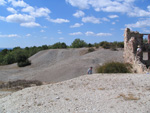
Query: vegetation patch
[[114, 67], [128, 97], [91, 49], [20, 84]]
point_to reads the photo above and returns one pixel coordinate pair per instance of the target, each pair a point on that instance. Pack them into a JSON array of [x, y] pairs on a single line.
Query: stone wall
[[131, 41]]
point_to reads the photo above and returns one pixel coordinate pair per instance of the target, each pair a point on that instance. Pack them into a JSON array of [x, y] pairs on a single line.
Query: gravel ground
[[97, 93]]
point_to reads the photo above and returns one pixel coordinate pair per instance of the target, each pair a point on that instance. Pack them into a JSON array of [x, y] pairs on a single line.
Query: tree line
[[20, 55]]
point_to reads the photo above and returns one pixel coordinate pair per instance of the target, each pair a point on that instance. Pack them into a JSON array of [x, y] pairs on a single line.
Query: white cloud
[[23, 19], [116, 7], [146, 30], [82, 4], [28, 35], [103, 34], [122, 29], [45, 37], [37, 12], [44, 27], [19, 3], [105, 5], [58, 20], [113, 16], [121, 6], [112, 29], [139, 24], [105, 19], [2, 18], [27, 20], [113, 23], [61, 38], [79, 14], [20, 18], [40, 12], [12, 10], [148, 7], [76, 33], [2, 2], [42, 31], [137, 12], [89, 33], [9, 36], [30, 24], [59, 32], [76, 25], [28, 9], [91, 19]]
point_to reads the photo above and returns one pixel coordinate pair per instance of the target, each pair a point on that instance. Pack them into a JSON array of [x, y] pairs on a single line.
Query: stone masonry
[[132, 40]]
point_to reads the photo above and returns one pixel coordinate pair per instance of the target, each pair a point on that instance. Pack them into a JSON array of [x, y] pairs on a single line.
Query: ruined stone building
[[132, 40]]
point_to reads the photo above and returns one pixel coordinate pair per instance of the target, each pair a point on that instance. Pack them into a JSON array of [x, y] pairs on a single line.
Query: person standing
[[90, 70], [139, 50]]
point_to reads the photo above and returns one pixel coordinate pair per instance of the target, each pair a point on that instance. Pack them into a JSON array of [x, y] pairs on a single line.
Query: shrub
[[96, 45], [24, 63], [114, 67], [120, 44], [20, 84], [105, 45], [113, 48], [91, 49]]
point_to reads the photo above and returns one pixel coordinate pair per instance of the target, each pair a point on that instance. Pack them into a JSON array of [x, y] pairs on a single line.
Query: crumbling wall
[[131, 41]]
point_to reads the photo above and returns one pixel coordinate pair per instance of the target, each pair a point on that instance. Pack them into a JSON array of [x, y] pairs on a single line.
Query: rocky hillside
[[97, 93], [56, 65]]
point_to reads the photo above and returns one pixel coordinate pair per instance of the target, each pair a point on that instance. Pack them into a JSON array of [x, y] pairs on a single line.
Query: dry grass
[[101, 88], [8, 89], [130, 96], [20, 84]]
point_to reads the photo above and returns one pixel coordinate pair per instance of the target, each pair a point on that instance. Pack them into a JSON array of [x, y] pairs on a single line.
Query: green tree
[[8, 59], [59, 45], [44, 47], [105, 44], [77, 43], [4, 52]]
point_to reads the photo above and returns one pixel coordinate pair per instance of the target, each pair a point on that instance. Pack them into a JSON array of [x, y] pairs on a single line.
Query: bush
[[91, 49], [20, 84], [24, 63], [105, 45], [96, 45], [113, 48], [114, 67]]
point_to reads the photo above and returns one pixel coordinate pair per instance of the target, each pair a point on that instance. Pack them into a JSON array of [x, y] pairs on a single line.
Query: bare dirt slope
[[97, 93], [59, 64]]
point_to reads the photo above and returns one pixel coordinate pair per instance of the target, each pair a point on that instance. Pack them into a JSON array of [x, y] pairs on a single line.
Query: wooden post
[[149, 43]]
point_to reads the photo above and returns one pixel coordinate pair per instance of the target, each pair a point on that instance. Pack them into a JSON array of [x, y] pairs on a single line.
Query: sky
[[28, 23]]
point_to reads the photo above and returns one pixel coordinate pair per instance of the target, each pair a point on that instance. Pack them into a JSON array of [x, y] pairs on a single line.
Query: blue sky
[[44, 22]]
